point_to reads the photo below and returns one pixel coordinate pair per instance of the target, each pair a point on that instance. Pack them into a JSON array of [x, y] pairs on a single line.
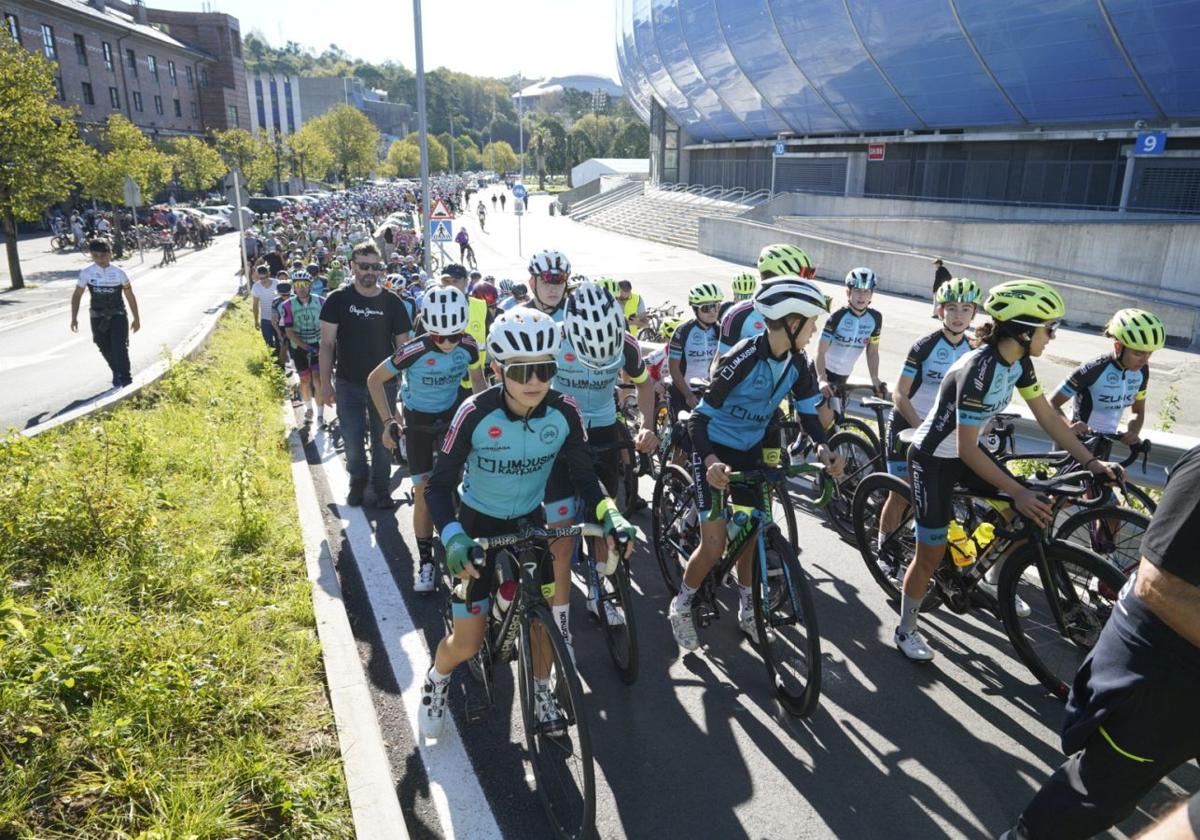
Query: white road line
[[453, 785], [373, 801]]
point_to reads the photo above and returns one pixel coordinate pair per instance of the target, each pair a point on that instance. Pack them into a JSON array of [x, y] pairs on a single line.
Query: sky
[[536, 38]]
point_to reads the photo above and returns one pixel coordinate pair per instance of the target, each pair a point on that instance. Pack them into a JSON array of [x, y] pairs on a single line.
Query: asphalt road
[[46, 369], [697, 747]]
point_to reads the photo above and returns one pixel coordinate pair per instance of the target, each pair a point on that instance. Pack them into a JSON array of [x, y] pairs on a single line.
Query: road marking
[[454, 787], [8, 363]]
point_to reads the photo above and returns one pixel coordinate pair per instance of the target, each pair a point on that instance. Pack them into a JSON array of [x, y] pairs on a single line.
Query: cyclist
[[548, 273], [730, 426], [300, 317], [945, 450], [610, 285], [742, 320], [502, 444], [593, 353], [505, 287], [481, 211], [744, 287], [1104, 387], [848, 332], [693, 346], [920, 378], [430, 368], [519, 297]]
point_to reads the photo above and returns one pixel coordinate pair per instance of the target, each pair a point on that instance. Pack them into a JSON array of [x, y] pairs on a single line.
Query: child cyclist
[[920, 378], [730, 426], [300, 318], [693, 346], [503, 443], [945, 450], [430, 368], [848, 332]]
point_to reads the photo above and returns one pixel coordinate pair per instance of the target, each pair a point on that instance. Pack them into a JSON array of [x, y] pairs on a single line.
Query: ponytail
[[991, 333]]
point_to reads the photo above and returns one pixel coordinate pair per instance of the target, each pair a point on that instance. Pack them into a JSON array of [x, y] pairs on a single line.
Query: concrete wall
[[740, 240]]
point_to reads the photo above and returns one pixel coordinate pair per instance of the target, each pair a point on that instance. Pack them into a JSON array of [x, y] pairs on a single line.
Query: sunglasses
[[522, 372], [552, 278], [370, 266], [707, 307], [448, 338], [1052, 328]]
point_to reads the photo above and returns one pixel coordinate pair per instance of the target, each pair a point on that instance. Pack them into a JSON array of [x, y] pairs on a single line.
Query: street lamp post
[[521, 123], [422, 128]]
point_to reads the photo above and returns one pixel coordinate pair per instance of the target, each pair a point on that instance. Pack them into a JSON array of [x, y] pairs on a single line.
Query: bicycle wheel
[[675, 523], [857, 427], [621, 638], [899, 543], [786, 620], [562, 763], [1113, 533], [1070, 596], [861, 461]]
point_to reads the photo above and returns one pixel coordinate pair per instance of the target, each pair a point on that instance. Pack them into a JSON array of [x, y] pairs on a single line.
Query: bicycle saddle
[[872, 402], [697, 384], [906, 436]]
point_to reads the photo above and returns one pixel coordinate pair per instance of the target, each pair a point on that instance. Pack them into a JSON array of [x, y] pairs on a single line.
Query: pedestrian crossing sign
[[441, 231]]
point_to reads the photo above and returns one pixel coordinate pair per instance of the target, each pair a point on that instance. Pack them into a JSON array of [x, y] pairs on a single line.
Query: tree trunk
[[10, 245]]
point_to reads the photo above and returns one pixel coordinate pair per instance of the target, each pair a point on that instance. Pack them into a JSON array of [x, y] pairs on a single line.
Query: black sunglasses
[[370, 266], [707, 307], [522, 372]]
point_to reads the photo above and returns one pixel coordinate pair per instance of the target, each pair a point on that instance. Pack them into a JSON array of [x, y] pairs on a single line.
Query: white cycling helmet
[[595, 325], [860, 278], [522, 332], [444, 311], [505, 286], [783, 296], [549, 262]]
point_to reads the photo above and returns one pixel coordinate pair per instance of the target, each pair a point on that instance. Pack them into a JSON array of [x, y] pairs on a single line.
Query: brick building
[[170, 73]]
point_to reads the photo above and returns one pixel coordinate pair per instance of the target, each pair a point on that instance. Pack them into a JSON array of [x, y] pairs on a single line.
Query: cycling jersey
[[304, 318], [559, 312], [746, 389], [430, 378], [593, 390], [1102, 390], [975, 389], [927, 363], [740, 322], [105, 285], [504, 459], [693, 345], [848, 335]]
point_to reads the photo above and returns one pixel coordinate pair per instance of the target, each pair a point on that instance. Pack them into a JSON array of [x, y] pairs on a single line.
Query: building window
[[152, 63], [13, 26], [131, 60], [275, 105], [88, 97], [171, 72], [258, 101], [59, 93], [195, 111], [188, 72], [237, 43], [178, 108], [137, 101], [287, 103], [80, 49], [158, 106], [233, 117], [114, 98], [107, 50], [203, 77], [48, 47]]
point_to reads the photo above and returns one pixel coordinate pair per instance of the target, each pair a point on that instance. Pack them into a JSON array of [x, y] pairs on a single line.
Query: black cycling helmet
[[455, 271]]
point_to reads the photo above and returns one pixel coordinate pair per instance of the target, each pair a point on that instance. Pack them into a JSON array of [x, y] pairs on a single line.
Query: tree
[[199, 165], [499, 157], [600, 131], [353, 141], [468, 153], [403, 159], [125, 151], [309, 152], [555, 143], [40, 151], [439, 158], [633, 141], [252, 155]]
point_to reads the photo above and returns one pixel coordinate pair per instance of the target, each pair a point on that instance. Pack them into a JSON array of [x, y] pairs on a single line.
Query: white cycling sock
[[436, 676], [909, 607], [745, 594], [684, 598], [562, 614]]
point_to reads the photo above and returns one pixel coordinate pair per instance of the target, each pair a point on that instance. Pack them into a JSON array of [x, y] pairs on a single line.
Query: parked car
[[265, 204], [219, 216]]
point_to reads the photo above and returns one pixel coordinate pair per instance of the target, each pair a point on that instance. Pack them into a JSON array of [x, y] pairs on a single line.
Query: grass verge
[[160, 673]]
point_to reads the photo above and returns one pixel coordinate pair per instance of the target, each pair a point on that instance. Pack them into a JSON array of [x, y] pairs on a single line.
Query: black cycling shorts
[[560, 491], [421, 442], [896, 450], [836, 379], [475, 595], [933, 481], [739, 494], [303, 359]]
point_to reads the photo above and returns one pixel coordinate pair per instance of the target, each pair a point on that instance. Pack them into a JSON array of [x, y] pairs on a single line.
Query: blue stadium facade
[[733, 76]]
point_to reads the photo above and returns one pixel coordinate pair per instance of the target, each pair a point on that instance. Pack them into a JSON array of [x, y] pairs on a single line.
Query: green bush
[[160, 674]]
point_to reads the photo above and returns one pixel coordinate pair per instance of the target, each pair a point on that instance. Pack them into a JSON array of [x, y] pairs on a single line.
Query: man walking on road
[[361, 325], [110, 325]]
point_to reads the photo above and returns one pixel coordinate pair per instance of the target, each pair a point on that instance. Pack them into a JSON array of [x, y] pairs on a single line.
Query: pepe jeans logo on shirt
[[365, 311]]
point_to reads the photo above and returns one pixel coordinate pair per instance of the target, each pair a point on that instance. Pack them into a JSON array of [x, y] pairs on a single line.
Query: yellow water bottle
[[985, 533], [962, 547]]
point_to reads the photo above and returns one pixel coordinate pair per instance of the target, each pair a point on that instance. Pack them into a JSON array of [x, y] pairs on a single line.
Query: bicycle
[[655, 318], [520, 626], [1069, 591]]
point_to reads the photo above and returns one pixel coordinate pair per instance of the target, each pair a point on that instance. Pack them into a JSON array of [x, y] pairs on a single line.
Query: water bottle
[[505, 592], [985, 533], [962, 547], [737, 525]]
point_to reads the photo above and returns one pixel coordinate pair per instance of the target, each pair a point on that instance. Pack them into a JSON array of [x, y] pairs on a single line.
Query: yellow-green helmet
[[608, 284], [784, 259], [745, 284], [959, 290], [669, 326], [1137, 329], [704, 293], [1027, 302]]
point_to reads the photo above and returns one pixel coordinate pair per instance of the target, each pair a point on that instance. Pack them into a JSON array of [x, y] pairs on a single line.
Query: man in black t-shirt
[[1132, 716], [361, 325]]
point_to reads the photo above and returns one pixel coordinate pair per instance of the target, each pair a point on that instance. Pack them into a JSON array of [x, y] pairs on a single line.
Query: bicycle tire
[[786, 621], [568, 820], [861, 461], [782, 503], [1094, 530], [1085, 589], [674, 497], [869, 497], [858, 427], [621, 640]]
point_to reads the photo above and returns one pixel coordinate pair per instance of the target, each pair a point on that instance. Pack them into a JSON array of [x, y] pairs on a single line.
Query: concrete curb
[[373, 800], [188, 348]]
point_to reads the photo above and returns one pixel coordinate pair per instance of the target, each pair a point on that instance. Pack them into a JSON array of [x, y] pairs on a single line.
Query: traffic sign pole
[[133, 197], [237, 208]]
